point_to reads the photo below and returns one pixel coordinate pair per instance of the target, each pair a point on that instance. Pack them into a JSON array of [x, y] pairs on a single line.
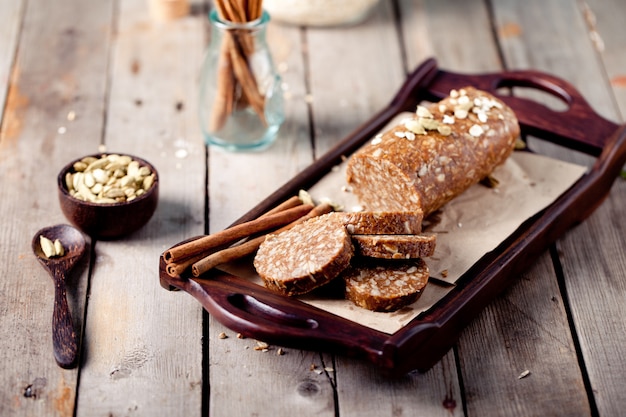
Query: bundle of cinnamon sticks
[[207, 252], [236, 84]]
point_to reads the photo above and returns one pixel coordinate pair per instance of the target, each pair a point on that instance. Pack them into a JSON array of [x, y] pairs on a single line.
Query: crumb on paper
[[223, 336]]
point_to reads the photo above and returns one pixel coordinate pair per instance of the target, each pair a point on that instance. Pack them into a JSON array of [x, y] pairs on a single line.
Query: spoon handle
[[63, 335]]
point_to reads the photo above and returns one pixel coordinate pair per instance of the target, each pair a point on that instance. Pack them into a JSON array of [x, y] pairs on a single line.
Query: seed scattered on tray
[[524, 374], [223, 335]]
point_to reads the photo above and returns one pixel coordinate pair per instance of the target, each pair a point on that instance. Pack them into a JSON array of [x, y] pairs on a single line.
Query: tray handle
[[253, 311], [578, 127]]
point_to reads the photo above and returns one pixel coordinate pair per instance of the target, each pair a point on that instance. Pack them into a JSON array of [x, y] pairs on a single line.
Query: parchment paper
[[468, 227]]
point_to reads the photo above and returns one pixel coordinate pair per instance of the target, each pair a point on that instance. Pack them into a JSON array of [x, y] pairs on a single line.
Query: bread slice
[[395, 246], [305, 257], [382, 222], [385, 285]]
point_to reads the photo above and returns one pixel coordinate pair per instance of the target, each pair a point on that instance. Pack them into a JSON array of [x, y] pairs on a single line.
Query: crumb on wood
[[262, 346]]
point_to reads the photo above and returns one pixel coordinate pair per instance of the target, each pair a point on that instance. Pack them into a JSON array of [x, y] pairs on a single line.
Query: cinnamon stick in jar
[[234, 67], [225, 96]]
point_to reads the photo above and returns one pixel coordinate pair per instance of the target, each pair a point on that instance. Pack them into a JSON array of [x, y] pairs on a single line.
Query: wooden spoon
[[63, 334]]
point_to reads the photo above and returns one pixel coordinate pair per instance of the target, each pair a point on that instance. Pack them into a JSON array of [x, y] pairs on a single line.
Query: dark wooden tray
[[252, 310]]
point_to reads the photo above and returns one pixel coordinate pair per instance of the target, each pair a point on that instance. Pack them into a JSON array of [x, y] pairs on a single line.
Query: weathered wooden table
[[552, 344]]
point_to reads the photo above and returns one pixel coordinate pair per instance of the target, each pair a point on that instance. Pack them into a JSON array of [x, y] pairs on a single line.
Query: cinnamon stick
[[225, 95], [254, 9], [239, 251], [246, 79], [237, 232], [176, 269], [285, 205], [230, 11]]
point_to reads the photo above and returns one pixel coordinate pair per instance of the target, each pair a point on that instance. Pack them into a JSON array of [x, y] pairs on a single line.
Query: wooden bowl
[[107, 221]]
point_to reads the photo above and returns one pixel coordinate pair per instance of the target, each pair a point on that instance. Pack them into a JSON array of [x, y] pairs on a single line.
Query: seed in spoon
[[50, 248], [59, 250]]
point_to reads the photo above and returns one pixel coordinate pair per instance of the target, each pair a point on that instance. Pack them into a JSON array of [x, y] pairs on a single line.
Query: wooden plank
[[457, 33], [10, 20], [143, 345], [245, 381], [563, 47], [365, 64], [520, 348], [484, 355], [362, 84], [58, 68], [364, 391], [607, 33]]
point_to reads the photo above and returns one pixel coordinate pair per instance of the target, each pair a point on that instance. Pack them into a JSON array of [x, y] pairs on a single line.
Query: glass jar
[[240, 101]]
